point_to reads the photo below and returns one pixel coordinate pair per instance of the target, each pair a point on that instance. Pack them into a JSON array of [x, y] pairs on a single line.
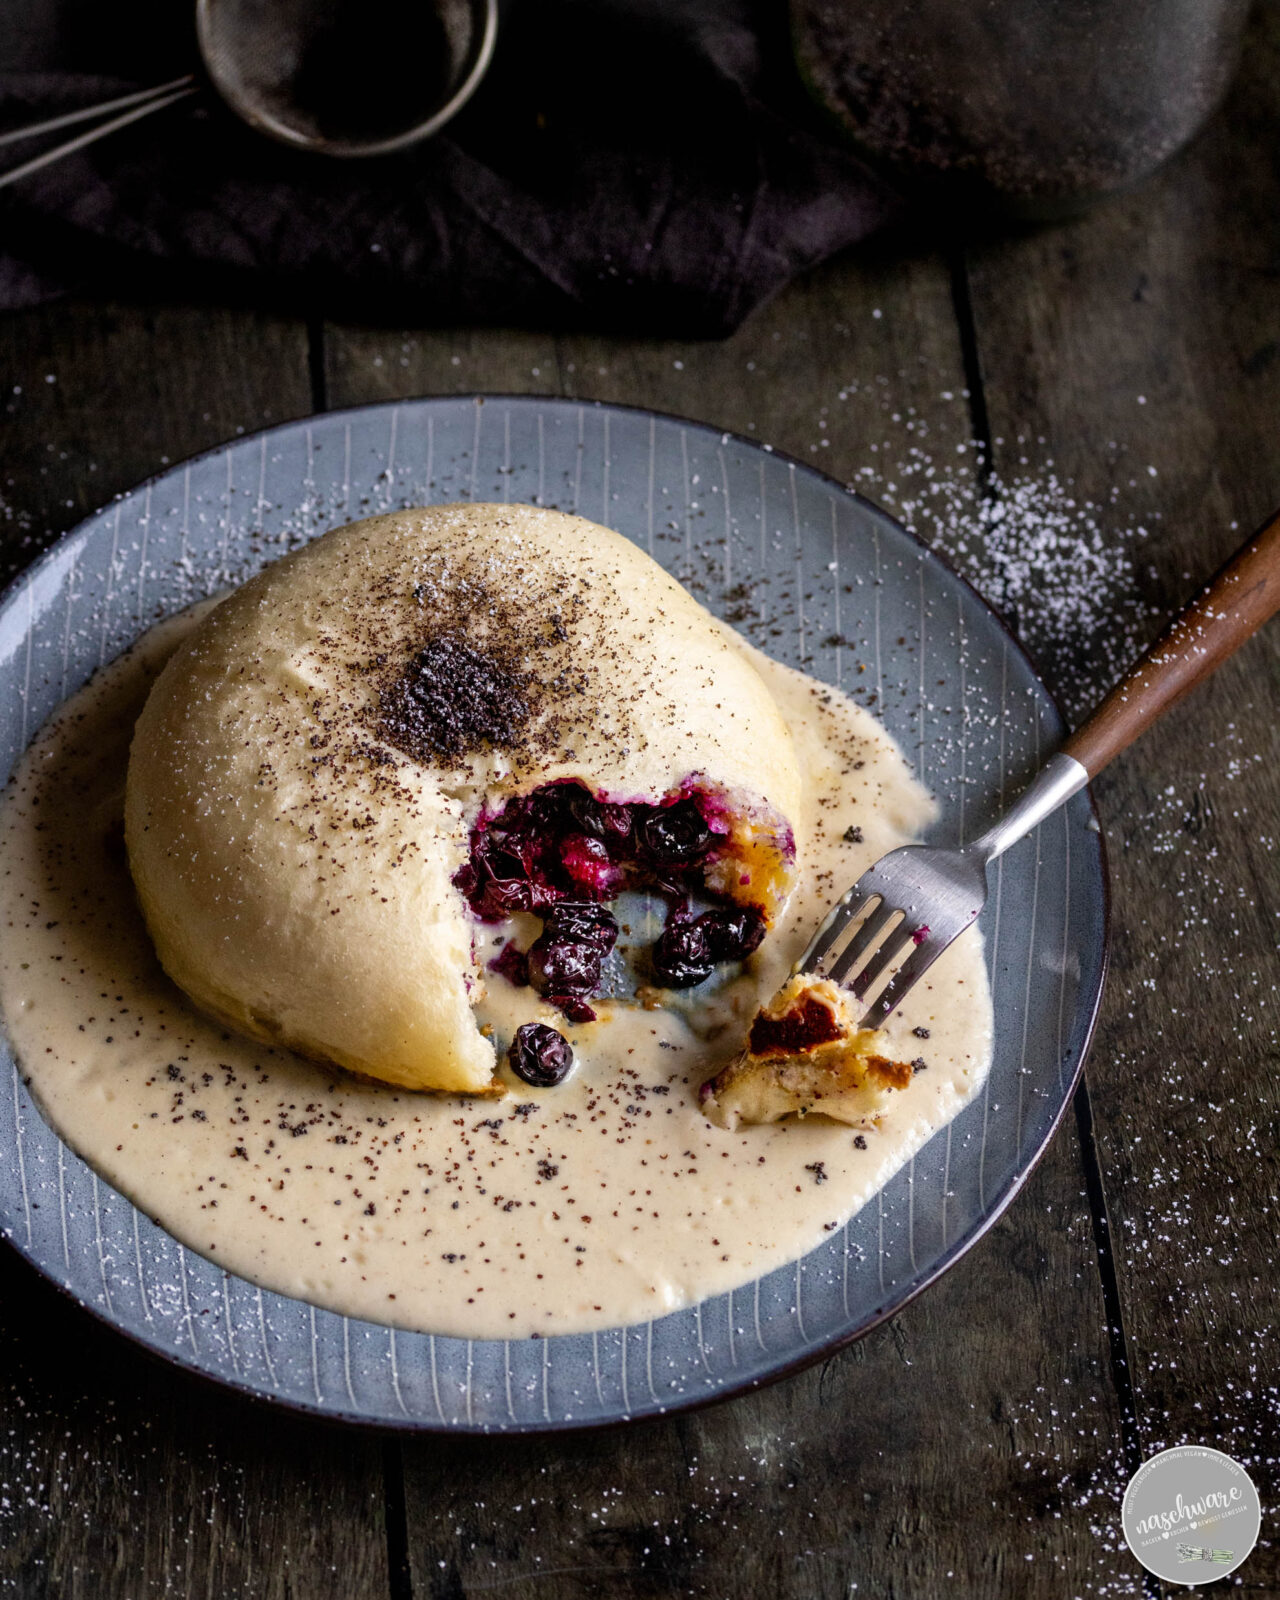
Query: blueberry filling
[[559, 852], [676, 836], [802, 1028], [595, 817], [682, 956], [540, 1055], [566, 957], [690, 948], [512, 963]]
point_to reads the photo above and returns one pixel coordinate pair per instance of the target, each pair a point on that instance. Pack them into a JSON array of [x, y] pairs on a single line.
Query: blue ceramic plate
[[817, 577]]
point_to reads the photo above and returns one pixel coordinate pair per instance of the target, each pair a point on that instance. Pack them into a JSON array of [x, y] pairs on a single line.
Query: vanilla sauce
[[607, 1200]]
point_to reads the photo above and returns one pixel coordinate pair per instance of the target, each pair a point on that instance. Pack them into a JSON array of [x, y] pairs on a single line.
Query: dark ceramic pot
[[1033, 108]]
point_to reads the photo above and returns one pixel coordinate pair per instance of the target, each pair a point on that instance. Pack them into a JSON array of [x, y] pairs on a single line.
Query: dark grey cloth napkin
[[629, 165]]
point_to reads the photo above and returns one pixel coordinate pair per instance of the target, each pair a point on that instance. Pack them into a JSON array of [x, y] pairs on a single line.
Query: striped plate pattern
[[810, 572]]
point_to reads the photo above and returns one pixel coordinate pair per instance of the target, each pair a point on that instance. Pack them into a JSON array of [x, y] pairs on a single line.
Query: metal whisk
[[337, 77]]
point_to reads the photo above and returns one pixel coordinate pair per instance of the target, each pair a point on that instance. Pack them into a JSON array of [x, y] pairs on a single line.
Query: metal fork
[[921, 898]]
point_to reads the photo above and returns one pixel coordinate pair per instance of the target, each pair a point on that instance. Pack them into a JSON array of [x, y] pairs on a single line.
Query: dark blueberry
[[675, 836], [563, 969], [690, 948], [496, 880], [502, 859], [734, 932], [543, 894], [598, 818], [573, 1006], [540, 1055], [566, 956], [682, 954], [548, 808], [498, 898], [584, 808], [580, 922], [466, 880], [502, 851]]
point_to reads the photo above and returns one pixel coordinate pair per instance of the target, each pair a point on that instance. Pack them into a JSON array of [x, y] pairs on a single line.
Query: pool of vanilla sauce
[[607, 1200]]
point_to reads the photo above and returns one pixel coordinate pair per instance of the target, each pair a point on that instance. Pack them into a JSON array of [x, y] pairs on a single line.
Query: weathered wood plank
[[931, 1450], [884, 324], [122, 1478], [1141, 347], [928, 1455], [95, 398]]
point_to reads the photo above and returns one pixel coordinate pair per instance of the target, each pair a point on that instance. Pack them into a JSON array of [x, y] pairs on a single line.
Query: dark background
[[979, 1443], [632, 165]]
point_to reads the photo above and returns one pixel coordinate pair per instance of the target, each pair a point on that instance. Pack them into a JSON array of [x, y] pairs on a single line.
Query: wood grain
[[926, 1450], [929, 1448], [121, 1477], [1227, 612], [1142, 346]]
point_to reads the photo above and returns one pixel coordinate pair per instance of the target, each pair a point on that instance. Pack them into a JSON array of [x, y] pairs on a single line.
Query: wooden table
[[977, 1444]]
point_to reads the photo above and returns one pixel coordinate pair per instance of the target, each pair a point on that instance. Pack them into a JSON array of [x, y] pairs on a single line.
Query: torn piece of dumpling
[[806, 1056]]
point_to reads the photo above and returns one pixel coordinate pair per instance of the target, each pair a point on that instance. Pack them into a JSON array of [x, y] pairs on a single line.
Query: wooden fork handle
[[1234, 605]]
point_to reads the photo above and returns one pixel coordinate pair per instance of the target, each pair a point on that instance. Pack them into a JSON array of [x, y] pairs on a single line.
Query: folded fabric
[[646, 166]]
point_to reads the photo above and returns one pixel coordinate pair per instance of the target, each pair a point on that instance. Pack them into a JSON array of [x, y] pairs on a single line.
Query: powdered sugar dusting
[[1062, 569]]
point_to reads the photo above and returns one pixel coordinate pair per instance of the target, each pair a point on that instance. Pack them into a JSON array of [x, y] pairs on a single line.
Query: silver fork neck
[[1055, 783]]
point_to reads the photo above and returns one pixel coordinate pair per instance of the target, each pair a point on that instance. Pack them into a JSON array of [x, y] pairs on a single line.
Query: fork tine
[[883, 958], [912, 969], [860, 946], [845, 912]]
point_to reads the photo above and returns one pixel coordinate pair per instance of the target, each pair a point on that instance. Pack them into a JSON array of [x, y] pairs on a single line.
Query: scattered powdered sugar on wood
[[1063, 570]]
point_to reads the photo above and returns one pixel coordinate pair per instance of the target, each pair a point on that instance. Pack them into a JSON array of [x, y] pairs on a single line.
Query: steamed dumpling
[[309, 768]]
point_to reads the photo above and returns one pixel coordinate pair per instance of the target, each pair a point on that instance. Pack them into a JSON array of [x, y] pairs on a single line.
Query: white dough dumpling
[[429, 720]]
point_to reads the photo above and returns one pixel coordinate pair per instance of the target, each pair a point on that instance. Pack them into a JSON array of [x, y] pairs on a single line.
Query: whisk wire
[[138, 105]]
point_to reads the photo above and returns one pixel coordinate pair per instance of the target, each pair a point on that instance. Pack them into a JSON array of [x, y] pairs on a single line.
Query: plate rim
[[260, 1395]]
